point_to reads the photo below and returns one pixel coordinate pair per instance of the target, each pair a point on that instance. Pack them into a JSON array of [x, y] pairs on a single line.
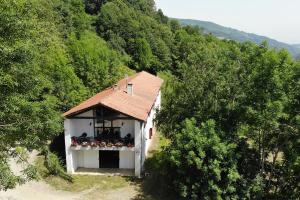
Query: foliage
[[130, 27], [54, 166], [94, 62], [203, 165], [7, 179], [93, 6], [257, 109]]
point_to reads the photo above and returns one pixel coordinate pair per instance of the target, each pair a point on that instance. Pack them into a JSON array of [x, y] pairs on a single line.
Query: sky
[[277, 19]]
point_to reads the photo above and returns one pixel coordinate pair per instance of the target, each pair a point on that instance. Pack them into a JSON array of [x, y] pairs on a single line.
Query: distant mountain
[[297, 45], [233, 34]]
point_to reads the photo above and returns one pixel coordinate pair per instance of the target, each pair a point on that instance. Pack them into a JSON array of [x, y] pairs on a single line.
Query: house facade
[[114, 128]]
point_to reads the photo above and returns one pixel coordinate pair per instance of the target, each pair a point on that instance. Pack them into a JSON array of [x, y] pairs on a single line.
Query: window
[[150, 133], [104, 123]]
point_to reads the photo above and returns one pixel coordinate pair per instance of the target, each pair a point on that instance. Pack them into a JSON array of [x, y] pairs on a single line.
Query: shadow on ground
[[148, 190]]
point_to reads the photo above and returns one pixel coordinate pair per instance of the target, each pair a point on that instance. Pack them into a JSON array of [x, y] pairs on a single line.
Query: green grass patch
[[81, 182], [85, 182], [158, 144]]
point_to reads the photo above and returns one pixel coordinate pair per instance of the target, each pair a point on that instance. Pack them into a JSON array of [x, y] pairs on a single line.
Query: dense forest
[[230, 110]]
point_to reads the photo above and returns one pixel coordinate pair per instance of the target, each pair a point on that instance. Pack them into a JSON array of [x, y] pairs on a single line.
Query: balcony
[[109, 142]]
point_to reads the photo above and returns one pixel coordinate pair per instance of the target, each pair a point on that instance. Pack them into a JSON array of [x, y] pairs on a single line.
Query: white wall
[[88, 113], [91, 159], [128, 127], [80, 126], [75, 160], [126, 160], [69, 159], [80, 158], [150, 124], [138, 126]]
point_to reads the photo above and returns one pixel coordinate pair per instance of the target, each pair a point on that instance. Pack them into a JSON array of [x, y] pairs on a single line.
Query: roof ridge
[[132, 77]]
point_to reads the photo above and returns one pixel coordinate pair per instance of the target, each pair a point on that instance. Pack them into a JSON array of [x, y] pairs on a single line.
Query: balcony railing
[[102, 141]]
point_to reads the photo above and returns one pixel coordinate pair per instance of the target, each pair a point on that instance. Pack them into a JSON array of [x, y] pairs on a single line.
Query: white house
[[114, 128]]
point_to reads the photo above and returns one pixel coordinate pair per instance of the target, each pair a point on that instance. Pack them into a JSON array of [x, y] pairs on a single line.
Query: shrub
[[54, 166]]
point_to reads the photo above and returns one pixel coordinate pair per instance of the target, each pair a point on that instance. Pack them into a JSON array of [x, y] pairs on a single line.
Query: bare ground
[[42, 191]]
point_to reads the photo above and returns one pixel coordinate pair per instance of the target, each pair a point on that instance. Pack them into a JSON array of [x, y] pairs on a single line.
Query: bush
[[54, 166], [7, 179]]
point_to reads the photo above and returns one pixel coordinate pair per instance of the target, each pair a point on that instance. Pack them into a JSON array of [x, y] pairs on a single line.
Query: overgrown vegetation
[[79, 183], [54, 166], [230, 110]]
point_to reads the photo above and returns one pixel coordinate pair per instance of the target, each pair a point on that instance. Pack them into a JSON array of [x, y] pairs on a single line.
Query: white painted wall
[[80, 158], [150, 123], [87, 159], [91, 159], [126, 160], [75, 160], [138, 127], [127, 126], [80, 126], [88, 113], [69, 152]]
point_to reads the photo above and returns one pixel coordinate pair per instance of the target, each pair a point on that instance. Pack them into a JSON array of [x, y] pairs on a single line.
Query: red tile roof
[[145, 90]]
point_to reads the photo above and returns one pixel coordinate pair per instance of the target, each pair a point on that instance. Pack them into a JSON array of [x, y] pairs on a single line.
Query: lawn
[[82, 182]]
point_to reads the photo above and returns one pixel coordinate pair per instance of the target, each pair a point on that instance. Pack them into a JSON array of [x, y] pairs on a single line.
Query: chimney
[[115, 87], [129, 88]]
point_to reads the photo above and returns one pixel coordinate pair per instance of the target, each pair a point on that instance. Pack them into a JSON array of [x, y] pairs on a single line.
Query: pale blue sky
[[278, 19]]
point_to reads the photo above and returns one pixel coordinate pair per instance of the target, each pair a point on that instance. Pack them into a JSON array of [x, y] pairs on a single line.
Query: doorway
[[109, 159]]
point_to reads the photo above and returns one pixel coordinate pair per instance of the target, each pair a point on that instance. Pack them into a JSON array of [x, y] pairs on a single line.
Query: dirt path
[[36, 191], [125, 193], [42, 191]]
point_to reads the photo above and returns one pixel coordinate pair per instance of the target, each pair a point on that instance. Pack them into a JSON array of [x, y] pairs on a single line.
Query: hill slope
[[296, 45], [230, 33]]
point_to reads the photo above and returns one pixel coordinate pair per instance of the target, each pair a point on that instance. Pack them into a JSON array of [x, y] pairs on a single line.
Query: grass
[[158, 144], [81, 182]]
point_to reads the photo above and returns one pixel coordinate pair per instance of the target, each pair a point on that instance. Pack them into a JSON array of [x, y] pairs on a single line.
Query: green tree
[[141, 53], [94, 62], [28, 114], [127, 25], [93, 6], [199, 165]]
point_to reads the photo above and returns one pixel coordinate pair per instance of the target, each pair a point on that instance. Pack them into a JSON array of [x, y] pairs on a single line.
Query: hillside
[[297, 46], [230, 33]]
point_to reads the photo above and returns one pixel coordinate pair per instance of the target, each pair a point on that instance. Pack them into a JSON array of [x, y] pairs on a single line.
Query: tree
[[199, 165], [93, 6], [94, 62], [28, 115], [141, 53], [252, 110], [127, 25]]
